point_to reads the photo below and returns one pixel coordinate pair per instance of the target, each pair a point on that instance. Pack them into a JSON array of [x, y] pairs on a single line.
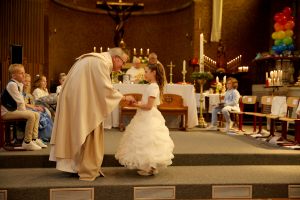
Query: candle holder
[[201, 78], [171, 72], [183, 76]]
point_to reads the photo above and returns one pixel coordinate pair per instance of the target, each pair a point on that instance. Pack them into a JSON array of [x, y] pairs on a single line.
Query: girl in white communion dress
[[146, 144]]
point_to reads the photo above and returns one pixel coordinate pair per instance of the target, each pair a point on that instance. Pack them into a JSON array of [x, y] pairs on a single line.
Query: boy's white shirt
[[13, 90]]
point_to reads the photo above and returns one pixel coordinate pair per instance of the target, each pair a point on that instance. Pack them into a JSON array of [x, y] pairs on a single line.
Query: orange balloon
[[289, 25], [278, 26]]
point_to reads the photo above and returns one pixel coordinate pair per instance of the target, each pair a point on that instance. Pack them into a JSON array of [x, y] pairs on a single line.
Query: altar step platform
[[207, 165]]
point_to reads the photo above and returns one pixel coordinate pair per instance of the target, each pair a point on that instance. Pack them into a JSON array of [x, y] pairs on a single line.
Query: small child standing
[[146, 144]]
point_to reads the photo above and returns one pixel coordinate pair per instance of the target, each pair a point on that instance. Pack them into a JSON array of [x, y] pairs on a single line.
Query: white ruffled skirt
[[146, 142]]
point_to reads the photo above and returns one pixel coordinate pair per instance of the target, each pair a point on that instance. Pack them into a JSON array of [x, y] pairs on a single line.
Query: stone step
[[42, 160], [194, 148], [176, 182]]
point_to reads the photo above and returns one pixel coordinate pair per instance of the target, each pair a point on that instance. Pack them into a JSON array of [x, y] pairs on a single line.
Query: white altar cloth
[[186, 91]]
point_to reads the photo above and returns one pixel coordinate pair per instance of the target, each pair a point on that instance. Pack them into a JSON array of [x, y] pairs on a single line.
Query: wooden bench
[[292, 104], [266, 103], [8, 129], [125, 109], [239, 115], [173, 105]]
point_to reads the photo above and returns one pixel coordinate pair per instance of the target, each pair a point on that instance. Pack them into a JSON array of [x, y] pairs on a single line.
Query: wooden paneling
[[22, 23]]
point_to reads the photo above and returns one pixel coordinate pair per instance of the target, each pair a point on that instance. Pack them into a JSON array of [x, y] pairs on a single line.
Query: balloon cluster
[[284, 25]]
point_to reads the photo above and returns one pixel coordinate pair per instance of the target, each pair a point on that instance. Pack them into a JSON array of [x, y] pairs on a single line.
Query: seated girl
[[42, 96], [45, 123]]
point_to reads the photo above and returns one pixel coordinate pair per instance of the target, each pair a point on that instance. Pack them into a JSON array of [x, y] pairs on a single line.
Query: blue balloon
[[282, 47], [291, 47], [277, 49]]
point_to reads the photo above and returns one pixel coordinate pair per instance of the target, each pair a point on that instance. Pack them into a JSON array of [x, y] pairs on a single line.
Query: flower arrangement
[[202, 75]]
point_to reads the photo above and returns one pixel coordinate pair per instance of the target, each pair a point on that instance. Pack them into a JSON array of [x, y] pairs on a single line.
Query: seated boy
[[14, 88]]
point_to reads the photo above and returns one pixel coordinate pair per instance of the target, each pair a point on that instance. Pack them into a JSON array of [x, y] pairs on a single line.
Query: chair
[[125, 109], [292, 103], [238, 115], [173, 105], [8, 137], [277, 109], [266, 102]]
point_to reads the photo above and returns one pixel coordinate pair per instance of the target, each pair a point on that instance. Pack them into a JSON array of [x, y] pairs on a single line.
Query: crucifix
[[119, 12], [171, 72]]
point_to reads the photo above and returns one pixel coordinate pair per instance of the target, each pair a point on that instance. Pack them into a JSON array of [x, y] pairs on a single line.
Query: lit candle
[[134, 51], [148, 51], [201, 64], [279, 74], [184, 66], [141, 51], [100, 49], [271, 74], [267, 76], [94, 49], [107, 48], [224, 79], [217, 79]]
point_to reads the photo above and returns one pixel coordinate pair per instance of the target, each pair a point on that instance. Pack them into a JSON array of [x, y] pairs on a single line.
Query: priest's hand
[[130, 99]]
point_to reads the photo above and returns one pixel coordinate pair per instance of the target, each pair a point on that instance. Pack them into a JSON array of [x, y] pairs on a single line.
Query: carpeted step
[[188, 182]]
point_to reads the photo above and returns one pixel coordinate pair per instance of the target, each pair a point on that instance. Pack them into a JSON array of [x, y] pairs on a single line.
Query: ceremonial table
[[213, 101], [186, 91]]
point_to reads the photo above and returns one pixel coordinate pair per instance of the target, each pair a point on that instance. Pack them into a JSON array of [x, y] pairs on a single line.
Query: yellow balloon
[[280, 35], [289, 32], [274, 36]]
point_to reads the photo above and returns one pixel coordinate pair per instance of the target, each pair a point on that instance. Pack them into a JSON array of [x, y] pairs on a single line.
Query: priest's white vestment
[[87, 97]]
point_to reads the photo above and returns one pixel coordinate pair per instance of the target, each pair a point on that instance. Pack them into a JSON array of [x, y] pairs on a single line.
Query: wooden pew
[[173, 105]]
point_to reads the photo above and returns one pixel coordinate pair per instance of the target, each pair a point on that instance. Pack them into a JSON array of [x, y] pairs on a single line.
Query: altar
[[186, 91]]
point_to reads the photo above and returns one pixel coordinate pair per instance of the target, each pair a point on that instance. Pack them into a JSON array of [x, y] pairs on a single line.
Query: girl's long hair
[[37, 81], [160, 77]]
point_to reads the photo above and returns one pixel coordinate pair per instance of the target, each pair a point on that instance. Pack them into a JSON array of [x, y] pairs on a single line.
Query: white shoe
[[144, 173], [31, 146], [229, 125], [212, 128], [40, 143]]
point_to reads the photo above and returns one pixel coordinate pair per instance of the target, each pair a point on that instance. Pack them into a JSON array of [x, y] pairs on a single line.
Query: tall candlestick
[[171, 73], [201, 60], [184, 66]]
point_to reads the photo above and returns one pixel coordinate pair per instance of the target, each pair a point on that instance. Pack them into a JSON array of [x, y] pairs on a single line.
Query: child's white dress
[[146, 142]]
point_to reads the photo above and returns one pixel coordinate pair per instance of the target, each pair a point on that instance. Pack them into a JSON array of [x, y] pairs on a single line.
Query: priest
[[87, 97]]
